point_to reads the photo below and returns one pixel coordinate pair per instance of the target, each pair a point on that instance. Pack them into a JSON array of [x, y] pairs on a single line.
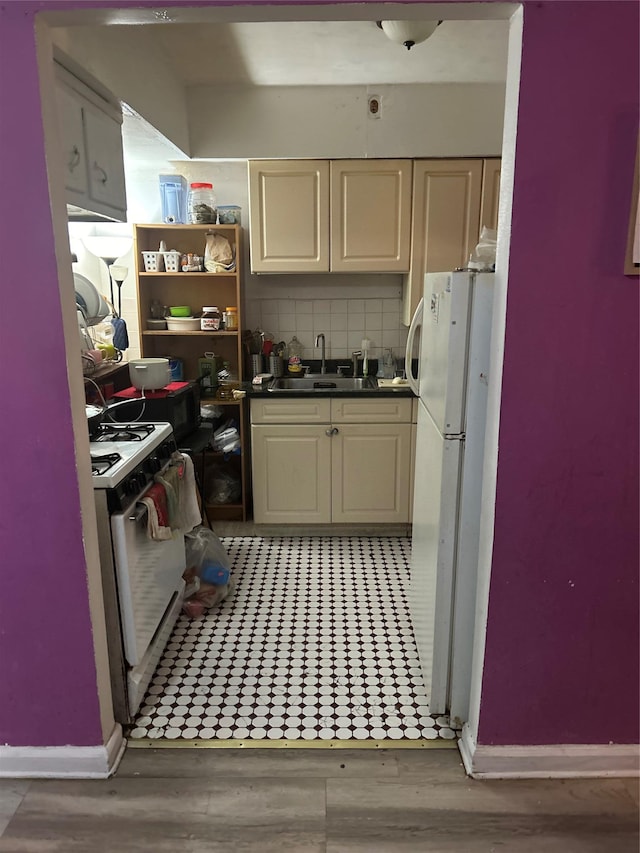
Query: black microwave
[[179, 407]]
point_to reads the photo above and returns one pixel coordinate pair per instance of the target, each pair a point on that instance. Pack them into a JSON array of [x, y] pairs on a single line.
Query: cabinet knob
[[333, 431]]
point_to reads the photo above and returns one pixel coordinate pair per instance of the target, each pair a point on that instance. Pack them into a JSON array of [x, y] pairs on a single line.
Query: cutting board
[[389, 383]]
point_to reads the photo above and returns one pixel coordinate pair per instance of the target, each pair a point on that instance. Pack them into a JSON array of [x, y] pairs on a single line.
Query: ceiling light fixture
[[408, 33]]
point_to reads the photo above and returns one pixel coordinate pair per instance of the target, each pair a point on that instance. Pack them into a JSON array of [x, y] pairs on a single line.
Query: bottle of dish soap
[[295, 350]]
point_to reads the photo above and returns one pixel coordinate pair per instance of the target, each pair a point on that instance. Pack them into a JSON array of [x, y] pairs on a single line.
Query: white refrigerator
[[453, 324]]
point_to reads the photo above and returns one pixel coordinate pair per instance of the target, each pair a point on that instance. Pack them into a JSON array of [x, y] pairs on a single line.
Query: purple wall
[[561, 661], [561, 658], [47, 672]]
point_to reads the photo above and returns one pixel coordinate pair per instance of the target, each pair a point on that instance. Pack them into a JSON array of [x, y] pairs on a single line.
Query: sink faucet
[[323, 366], [354, 359]]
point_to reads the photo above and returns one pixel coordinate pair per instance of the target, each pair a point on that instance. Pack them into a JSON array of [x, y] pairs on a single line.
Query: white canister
[[149, 374]]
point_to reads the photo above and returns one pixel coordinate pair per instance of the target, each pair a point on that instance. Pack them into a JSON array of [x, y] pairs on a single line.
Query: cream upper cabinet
[[370, 215], [330, 216], [289, 215], [74, 155], [490, 193], [445, 221], [91, 140]]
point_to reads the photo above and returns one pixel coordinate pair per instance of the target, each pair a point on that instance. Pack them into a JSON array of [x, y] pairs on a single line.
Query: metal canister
[[257, 364], [276, 365]]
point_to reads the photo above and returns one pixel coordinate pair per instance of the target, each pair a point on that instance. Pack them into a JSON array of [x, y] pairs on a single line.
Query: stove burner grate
[[102, 464], [124, 432]]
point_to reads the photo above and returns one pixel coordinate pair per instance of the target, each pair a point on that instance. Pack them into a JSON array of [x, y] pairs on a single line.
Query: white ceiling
[[331, 53]]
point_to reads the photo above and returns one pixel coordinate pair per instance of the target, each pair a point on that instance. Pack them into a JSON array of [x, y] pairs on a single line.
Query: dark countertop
[[262, 391]]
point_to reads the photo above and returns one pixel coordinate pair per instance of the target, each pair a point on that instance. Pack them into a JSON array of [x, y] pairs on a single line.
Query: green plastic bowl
[[180, 311]]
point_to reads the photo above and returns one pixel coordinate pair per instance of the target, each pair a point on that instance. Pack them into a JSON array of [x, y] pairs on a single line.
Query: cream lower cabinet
[[352, 466], [290, 467]]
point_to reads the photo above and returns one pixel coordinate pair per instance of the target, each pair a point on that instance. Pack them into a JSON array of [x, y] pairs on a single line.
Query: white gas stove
[[125, 457], [141, 577]]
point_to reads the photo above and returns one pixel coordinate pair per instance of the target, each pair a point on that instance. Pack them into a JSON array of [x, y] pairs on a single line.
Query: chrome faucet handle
[[342, 367]]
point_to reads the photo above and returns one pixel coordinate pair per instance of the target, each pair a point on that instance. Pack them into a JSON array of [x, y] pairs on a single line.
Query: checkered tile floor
[[315, 643]]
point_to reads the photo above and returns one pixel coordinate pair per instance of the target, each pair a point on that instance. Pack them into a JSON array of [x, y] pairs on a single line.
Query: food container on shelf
[[229, 214], [231, 318], [183, 324], [149, 374], [180, 310], [156, 325], [152, 261], [202, 208]]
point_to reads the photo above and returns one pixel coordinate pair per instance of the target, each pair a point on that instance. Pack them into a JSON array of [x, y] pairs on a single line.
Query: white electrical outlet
[[374, 106]]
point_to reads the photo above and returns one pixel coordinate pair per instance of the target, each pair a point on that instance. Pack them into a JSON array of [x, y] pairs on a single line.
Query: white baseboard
[[63, 762], [562, 761]]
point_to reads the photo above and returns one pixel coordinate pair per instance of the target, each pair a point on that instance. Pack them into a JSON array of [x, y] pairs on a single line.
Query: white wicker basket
[[152, 261]]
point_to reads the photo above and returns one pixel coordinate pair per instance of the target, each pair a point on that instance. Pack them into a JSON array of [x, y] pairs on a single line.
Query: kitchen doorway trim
[[143, 13]]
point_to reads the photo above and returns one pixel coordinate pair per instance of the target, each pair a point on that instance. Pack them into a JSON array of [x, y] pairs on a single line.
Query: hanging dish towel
[[189, 508], [155, 500], [179, 483]]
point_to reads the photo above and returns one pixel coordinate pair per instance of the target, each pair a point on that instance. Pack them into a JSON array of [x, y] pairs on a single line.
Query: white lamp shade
[[118, 273], [408, 32]]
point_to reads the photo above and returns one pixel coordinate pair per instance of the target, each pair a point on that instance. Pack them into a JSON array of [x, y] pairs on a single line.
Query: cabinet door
[[446, 218], [370, 468], [74, 157], [289, 215], [490, 193], [103, 138], [370, 215], [291, 470]]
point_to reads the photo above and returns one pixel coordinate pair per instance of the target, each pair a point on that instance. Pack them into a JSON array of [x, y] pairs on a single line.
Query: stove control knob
[[136, 483], [165, 451], [153, 464]]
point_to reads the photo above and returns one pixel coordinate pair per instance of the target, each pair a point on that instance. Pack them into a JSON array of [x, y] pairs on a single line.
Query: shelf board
[[174, 226], [221, 402], [223, 334], [225, 506], [143, 274]]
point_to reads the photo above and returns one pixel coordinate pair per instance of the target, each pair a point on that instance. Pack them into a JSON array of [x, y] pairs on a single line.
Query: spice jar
[[202, 207], [231, 318], [210, 319]]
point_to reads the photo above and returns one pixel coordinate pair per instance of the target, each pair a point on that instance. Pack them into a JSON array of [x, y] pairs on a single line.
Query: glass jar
[[202, 208], [211, 319], [231, 318]]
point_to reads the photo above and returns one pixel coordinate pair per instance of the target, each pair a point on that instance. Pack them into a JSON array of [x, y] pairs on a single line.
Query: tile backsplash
[[344, 323]]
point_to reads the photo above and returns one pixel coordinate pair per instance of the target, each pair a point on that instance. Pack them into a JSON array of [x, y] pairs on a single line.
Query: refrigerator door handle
[[416, 322]]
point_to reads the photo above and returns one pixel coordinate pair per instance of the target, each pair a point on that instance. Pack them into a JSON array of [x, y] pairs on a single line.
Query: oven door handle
[[140, 514]]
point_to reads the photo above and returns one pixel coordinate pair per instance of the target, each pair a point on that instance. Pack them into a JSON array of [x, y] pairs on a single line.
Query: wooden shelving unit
[[197, 289]]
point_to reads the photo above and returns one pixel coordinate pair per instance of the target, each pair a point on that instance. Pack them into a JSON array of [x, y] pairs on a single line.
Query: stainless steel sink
[[314, 382]]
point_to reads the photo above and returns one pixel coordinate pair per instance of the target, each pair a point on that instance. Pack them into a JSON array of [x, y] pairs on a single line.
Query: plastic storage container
[[229, 214], [173, 194], [152, 261], [202, 205]]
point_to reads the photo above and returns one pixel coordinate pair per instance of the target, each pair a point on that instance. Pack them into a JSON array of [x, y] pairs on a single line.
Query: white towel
[[188, 498]]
